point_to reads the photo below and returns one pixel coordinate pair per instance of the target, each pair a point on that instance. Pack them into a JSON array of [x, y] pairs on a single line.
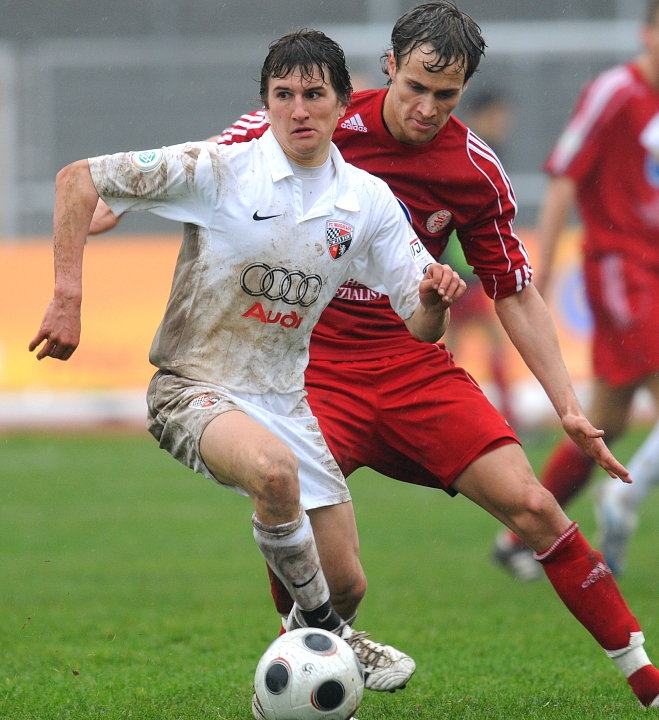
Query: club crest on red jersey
[[339, 237], [438, 221]]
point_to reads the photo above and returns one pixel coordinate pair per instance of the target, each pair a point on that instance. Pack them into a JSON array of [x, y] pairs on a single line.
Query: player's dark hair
[[308, 52], [651, 12], [455, 38]]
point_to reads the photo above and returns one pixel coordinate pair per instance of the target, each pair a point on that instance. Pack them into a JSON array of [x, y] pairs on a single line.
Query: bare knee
[[537, 501], [539, 520], [242, 453], [502, 482], [275, 485]]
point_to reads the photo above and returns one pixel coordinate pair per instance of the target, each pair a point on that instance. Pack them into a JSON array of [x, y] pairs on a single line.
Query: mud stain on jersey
[[189, 159]]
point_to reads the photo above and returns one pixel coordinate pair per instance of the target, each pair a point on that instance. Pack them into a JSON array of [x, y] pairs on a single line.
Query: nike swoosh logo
[[303, 584], [256, 216]]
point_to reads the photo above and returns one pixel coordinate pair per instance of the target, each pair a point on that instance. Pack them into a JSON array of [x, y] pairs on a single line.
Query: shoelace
[[373, 655]]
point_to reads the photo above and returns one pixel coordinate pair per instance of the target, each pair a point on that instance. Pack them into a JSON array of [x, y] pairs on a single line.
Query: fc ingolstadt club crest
[[339, 237]]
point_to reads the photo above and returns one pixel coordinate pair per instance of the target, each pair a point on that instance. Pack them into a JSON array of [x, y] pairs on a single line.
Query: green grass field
[[132, 588]]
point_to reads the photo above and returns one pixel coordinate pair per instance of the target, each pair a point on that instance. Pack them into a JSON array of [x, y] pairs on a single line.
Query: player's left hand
[[440, 284], [590, 440]]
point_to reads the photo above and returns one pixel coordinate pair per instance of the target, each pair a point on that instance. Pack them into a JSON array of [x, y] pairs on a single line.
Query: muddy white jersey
[[254, 272]]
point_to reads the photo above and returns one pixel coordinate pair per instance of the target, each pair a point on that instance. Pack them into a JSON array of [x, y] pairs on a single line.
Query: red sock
[[283, 601], [567, 471], [586, 586], [645, 684]]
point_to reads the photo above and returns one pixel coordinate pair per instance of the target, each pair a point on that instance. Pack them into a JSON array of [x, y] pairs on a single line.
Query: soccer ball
[[307, 674]]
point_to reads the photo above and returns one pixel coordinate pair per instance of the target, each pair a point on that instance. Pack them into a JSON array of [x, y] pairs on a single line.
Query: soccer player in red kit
[[607, 161], [407, 410]]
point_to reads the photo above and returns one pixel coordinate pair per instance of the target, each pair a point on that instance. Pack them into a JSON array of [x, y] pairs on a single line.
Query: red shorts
[[624, 299], [414, 417]]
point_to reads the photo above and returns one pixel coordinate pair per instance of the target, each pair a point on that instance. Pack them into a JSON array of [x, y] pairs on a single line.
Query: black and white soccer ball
[[307, 674]]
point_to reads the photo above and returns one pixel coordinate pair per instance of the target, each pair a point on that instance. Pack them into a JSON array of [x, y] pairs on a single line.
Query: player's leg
[[502, 482], [290, 548], [618, 503], [390, 414], [239, 451], [385, 667], [335, 530], [342, 398], [338, 546], [205, 428]]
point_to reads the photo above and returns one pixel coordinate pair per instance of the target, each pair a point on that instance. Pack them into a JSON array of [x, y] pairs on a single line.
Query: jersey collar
[[344, 195]]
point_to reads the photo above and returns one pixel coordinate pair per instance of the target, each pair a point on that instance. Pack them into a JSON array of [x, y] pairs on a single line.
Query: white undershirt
[[315, 181]]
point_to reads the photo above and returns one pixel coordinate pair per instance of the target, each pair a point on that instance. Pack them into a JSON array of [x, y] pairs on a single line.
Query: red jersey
[[455, 182], [603, 149]]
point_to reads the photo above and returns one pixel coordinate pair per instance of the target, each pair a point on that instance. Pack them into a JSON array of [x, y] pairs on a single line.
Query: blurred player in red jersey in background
[[607, 161], [406, 409]]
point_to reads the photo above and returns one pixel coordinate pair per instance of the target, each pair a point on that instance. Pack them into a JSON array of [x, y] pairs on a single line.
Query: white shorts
[[180, 409]]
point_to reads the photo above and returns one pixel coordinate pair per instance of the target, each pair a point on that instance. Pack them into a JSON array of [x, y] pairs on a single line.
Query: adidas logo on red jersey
[[354, 123]]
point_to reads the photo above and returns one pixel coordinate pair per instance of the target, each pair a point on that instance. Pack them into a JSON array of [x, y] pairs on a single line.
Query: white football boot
[[386, 669]]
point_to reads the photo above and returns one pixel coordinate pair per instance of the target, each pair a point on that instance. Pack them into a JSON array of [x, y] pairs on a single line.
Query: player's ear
[[391, 65]]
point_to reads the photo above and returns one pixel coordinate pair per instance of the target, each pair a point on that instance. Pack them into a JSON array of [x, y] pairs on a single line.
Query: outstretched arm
[[75, 200], [526, 319], [438, 289]]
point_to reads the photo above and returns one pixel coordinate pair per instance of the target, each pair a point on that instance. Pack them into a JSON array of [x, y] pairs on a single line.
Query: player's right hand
[[59, 334]]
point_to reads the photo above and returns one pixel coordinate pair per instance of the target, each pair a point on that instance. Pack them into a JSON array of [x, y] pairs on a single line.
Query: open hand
[[589, 439]]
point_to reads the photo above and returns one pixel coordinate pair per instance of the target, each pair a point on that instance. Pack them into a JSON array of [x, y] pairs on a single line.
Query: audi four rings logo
[[291, 286]]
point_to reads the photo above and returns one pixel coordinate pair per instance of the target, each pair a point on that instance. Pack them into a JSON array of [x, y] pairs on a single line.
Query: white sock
[[631, 658], [290, 550]]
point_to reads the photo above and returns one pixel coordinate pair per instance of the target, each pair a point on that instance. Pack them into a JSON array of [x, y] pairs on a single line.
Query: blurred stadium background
[[80, 78]]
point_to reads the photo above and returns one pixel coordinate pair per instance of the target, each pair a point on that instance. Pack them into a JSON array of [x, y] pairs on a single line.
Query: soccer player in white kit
[[272, 229]]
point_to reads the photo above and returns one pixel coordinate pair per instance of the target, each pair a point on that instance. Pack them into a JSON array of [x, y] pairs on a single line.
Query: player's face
[[303, 114], [419, 103]]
